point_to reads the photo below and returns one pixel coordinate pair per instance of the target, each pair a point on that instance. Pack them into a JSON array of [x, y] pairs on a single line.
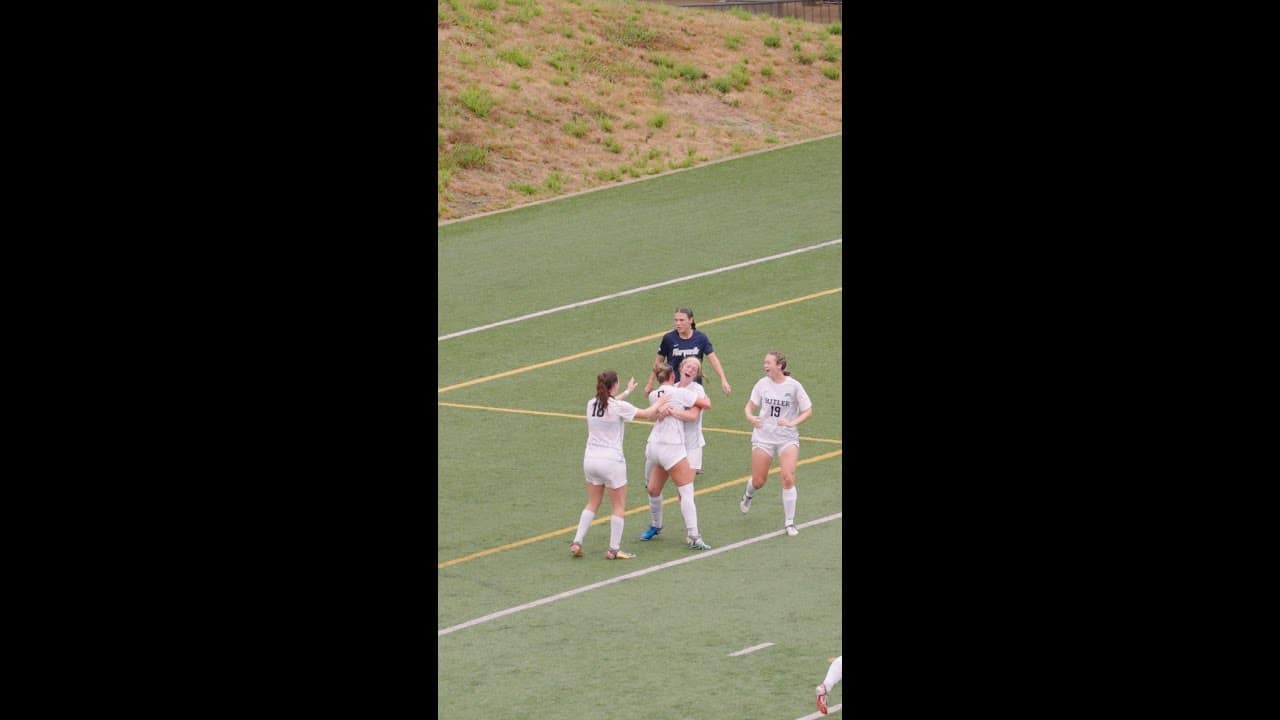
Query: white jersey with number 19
[[775, 401]]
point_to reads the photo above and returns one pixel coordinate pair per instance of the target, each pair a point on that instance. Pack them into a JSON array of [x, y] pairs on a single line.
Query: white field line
[[632, 291], [816, 715], [628, 576], [751, 649]]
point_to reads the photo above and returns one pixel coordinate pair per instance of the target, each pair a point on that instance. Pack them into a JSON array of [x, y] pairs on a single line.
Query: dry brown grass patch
[[524, 131]]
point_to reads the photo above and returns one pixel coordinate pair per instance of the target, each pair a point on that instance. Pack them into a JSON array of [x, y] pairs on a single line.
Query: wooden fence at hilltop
[[818, 11]]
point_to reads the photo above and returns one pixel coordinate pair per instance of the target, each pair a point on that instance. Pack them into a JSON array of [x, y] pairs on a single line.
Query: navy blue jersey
[[675, 349]]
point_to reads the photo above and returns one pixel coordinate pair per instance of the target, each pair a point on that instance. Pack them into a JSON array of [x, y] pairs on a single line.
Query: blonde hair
[[693, 360]]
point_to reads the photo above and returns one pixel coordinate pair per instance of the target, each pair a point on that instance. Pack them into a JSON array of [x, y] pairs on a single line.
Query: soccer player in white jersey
[[834, 674], [666, 451], [693, 440], [783, 404], [603, 463], [690, 369]]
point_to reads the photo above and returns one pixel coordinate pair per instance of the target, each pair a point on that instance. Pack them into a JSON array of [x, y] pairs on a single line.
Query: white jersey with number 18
[[604, 430]]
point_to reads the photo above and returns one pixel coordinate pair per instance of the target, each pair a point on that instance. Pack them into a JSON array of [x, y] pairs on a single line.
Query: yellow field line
[[583, 417], [643, 508], [520, 412], [615, 346]]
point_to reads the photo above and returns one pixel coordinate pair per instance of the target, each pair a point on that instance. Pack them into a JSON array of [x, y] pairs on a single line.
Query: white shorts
[[610, 473], [773, 449], [695, 458], [665, 455], [695, 462]]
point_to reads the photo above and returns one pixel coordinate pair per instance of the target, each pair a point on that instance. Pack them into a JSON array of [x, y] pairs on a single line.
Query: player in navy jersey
[[687, 341], [603, 463]]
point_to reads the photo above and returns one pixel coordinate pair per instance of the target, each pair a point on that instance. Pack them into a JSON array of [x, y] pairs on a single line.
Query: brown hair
[[662, 372], [604, 381], [692, 325], [782, 362]]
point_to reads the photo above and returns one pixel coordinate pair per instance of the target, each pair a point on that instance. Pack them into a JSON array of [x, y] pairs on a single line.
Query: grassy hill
[[537, 98]]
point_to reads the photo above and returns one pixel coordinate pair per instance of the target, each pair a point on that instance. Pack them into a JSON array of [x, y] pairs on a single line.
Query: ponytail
[[604, 381]]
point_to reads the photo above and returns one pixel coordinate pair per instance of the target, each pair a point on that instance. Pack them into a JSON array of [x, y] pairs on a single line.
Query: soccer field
[[533, 304]]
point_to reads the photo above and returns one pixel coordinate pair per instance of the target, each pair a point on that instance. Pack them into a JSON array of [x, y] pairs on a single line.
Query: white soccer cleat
[[792, 531]]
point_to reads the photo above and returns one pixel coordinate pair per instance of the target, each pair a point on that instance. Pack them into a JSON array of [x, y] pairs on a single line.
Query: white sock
[[834, 673], [751, 489], [688, 509], [615, 531], [584, 524], [655, 509], [789, 505]]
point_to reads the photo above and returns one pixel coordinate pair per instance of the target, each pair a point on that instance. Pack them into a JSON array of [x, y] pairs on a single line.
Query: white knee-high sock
[[655, 509], [584, 524], [834, 673], [789, 505], [615, 532], [688, 509], [751, 489]]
